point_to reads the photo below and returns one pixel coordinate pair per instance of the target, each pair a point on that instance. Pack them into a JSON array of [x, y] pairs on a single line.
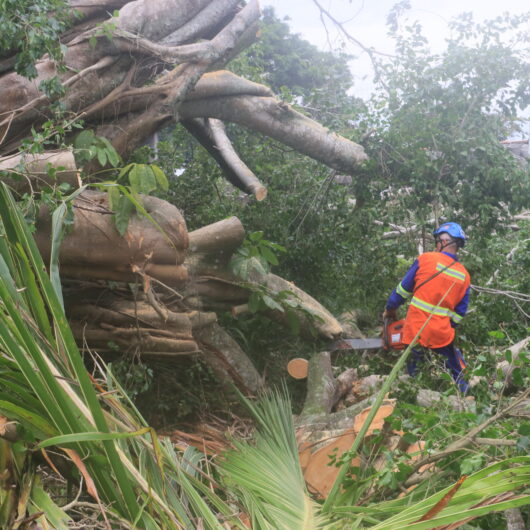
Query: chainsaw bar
[[357, 344]]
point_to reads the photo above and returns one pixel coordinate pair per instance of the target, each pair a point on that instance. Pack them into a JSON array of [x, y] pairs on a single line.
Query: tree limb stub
[[211, 247], [322, 387], [279, 121], [212, 136]]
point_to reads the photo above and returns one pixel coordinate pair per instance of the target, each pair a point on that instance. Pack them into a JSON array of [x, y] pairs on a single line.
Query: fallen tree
[[126, 75]]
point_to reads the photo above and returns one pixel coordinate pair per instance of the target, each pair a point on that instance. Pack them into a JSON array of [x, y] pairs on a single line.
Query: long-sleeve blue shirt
[[395, 299]]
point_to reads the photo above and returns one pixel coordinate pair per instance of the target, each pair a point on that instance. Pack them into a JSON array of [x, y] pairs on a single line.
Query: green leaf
[[272, 304], [42, 503], [148, 180], [472, 464], [102, 157], [524, 429], [496, 334], [269, 256], [409, 438], [58, 217], [135, 178], [84, 139], [113, 156], [142, 179], [160, 176], [275, 246], [123, 214], [90, 436], [113, 195], [34, 422], [125, 170]]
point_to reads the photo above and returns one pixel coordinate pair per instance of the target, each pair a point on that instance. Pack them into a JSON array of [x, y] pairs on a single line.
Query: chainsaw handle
[[386, 322]]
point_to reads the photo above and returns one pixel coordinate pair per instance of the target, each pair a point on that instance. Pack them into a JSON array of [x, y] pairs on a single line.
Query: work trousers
[[454, 362]]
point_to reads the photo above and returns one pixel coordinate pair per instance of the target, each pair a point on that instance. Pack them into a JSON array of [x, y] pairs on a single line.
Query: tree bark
[[228, 360], [95, 249], [279, 121], [122, 82], [39, 170]]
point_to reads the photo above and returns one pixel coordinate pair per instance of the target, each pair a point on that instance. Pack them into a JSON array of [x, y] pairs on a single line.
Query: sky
[[365, 20]]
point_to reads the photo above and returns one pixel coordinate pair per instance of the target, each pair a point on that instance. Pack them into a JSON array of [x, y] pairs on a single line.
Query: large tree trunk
[[167, 286], [164, 63]]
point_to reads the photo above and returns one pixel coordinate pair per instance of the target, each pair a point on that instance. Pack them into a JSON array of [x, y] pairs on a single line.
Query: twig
[[495, 441], [72, 504]]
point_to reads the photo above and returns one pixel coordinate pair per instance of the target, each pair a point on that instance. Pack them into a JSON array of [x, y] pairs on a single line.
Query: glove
[[390, 314]]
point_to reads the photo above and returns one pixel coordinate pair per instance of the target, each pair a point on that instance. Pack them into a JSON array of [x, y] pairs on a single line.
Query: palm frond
[[266, 476], [136, 477]]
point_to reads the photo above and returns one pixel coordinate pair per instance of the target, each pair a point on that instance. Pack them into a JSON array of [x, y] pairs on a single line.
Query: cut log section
[[317, 453], [298, 368]]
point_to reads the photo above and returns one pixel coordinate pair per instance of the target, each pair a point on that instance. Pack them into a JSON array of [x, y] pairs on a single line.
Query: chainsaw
[[392, 339]]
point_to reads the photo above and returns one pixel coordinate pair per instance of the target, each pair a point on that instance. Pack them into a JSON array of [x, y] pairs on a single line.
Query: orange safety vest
[[425, 300]]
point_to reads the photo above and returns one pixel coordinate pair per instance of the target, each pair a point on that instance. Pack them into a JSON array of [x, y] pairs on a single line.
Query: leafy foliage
[[440, 119], [32, 28], [88, 146]]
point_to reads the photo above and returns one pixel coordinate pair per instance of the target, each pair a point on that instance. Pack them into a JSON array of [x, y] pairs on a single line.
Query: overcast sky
[[365, 20]]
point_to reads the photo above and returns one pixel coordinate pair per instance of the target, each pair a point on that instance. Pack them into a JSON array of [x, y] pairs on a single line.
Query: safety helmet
[[454, 230]]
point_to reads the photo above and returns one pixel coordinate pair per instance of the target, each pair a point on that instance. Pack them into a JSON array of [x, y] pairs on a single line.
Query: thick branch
[[322, 387], [155, 20], [322, 321], [212, 136], [202, 52], [225, 83], [35, 169], [211, 247], [228, 360], [125, 140], [279, 121], [95, 249], [203, 22]]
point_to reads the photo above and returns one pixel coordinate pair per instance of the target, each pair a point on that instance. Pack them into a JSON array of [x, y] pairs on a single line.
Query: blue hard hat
[[453, 229]]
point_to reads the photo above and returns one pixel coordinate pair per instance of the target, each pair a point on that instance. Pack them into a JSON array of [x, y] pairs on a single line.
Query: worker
[[437, 285]]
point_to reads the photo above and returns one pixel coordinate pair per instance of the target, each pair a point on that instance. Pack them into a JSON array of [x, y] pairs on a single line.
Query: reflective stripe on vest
[[434, 310], [403, 292], [456, 275]]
